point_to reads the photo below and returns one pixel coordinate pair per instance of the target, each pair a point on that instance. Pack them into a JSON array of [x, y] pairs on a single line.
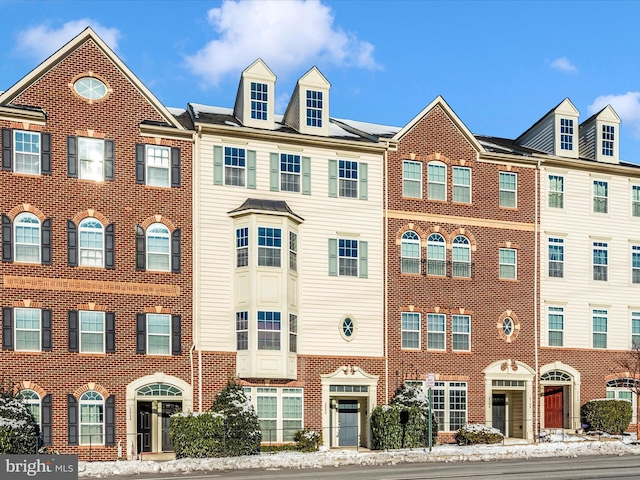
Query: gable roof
[[565, 106], [86, 35], [439, 101]]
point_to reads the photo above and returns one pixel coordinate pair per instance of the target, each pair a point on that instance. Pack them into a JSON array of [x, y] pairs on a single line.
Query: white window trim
[[357, 258], [605, 333], [560, 193], [103, 333], [502, 264], [81, 403], [594, 197], [459, 185], [344, 179], [148, 156], [549, 329], [411, 259], [166, 233], [225, 166], [279, 393], [515, 190], [419, 181], [442, 332], [600, 246], [549, 261], [83, 229], [16, 223], [297, 175], [16, 329], [419, 331], [96, 177], [149, 334], [269, 247], [467, 334], [634, 315], [16, 152], [431, 182]]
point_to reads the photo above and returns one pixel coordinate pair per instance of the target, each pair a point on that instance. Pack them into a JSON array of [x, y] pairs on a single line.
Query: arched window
[[410, 252], [91, 418], [158, 248], [437, 181], [436, 255], [621, 389], [32, 400], [91, 243], [27, 238], [555, 376], [461, 256]]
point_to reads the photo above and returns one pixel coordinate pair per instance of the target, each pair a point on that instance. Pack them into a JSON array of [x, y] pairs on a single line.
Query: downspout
[[193, 346], [536, 415], [386, 274], [197, 264]]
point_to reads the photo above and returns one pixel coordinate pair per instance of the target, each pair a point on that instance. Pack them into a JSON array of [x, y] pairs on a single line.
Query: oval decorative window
[[508, 326], [348, 327], [90, 88]]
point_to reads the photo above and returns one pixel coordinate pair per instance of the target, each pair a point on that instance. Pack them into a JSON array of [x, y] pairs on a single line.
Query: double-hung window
[[599, 318], [450, 405], [635, 200], [242, 331], [411, 179], [508, 263], [289, 172], [26, 152], [158, 166], [635, 263], [600, 196], [461, 256], [293, 251], [91, 158], [32, 401], [91, 418], [314, 108], [259, 100], [600, 261], [158, 334], [235, 165], [410, 330], [410, 252], [436, 331], [436, 181], [92, 328], [348, 257], [556, 191], [635, 330], [27, 238], [462, 184], [508, 189], [269, 328], [461, 333], [242, 247], [436, 252], [91, 243], [279, 410], [27, 329], [555, 316], [158, 248], [269, 246], [348, 178], [566, 134], [293, 333], [556, 257], [608, 137]]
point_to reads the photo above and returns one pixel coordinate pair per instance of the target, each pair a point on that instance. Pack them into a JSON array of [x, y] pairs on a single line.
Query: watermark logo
[[51, 467]]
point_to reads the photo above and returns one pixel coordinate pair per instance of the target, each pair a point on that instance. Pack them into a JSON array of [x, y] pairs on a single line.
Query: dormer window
[[259, 100], [314, 108], [566, 134], [608, 137]]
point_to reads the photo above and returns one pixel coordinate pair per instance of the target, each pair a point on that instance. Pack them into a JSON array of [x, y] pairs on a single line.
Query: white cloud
[[563, 64], [627, 106], [286, 34], [42, 40]]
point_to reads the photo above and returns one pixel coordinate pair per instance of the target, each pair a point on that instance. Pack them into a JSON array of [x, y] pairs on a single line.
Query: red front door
[[553, 401]]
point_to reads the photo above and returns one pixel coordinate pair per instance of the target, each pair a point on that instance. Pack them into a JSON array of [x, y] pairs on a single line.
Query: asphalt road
[[556, 468]]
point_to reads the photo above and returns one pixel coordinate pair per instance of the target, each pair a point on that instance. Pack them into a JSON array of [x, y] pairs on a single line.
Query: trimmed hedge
[[197, 435], [307, 440], [18, 430], [475, 433], [610, 416]]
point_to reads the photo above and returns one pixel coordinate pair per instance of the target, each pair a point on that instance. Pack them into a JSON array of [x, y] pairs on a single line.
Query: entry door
[[348, 423], [498, 411], [144, 426], [553, 407], [168, 409]]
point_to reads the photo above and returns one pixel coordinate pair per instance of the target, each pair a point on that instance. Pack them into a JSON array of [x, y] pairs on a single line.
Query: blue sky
[[501, 65]]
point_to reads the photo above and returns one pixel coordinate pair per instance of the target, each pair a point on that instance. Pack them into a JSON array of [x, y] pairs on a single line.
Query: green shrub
[[386, 431], [307, 440], [475, 433], [610, 416], [241, 427], [197, 435], [18, 430]]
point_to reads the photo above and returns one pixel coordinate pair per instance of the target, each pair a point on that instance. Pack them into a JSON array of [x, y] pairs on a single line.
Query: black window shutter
[[72, 157], [7, 328], [110, 421], [175, 167], [141, 255], [141, 333], [72, 420], [45, 234], [72, 244], [46, 420], [45, 153], [175, 251], [7, 236], [74, 331], [7, 150], [140, 163], [109, 160], [110, 338], [176, 335], [47, 342], [109, 247]]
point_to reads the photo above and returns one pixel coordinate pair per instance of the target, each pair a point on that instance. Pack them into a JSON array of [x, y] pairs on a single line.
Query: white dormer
[[255, 101], [308, 109], [600, 136], [556, 133]]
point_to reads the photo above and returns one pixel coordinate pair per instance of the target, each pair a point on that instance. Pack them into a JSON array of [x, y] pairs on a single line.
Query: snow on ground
[[554, 446]]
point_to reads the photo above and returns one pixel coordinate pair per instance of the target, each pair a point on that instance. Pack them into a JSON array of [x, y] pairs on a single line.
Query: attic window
[[314, 108], [90, 88], [259, 99], [566, 134], [608, 135]]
